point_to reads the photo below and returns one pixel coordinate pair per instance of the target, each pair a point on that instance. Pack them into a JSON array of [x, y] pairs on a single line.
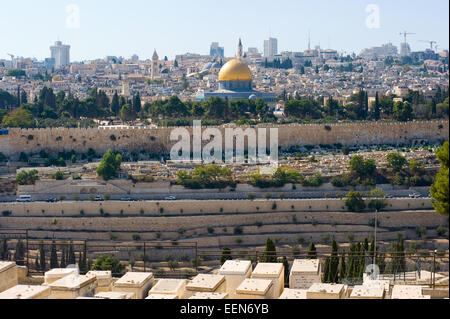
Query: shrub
[[108, 263], [274, 206], [59, 176], [136, 237], [82, 212], [238, 230], [251, 196], [239, 241], [355, 202], [6, 213], [210, 230]]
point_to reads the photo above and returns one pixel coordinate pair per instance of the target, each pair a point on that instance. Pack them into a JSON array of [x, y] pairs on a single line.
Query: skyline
[[178, 27]]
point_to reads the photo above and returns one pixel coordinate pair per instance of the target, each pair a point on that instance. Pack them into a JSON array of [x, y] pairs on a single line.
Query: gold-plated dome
[[235, 70]]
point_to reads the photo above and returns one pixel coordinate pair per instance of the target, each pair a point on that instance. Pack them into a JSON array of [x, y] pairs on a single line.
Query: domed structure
[[235, 82], [235, 70]]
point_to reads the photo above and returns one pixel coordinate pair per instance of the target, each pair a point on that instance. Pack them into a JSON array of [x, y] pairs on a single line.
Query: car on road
[[415, 195], [24, 199], [98, 198], [126, 199], [52, 200], [170, 198]]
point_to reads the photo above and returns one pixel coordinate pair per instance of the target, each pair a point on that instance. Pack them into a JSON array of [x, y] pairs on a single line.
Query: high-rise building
[[405, 49], [216, 51], [270, 47], [61, 54]]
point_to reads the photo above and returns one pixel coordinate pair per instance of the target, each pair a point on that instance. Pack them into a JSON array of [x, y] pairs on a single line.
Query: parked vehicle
[[98, 198], [170, 198], [24, 199], [52, 200]]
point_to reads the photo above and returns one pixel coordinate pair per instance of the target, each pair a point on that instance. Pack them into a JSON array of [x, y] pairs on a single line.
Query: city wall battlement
[[136, 139]]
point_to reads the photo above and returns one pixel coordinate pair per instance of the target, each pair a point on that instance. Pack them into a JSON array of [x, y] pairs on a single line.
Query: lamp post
[[375, 239]]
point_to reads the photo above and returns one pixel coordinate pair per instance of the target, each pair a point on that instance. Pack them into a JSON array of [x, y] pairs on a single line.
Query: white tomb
[[255, 289], [304, 273], [169, 287], [138, 283], [8, 275], [274, 272], [73, 286], [293, 294], [162, 297], [408, 292], [104, 280], [235, 272], [115, 295], [58, 273], [365, 292], [209, 295], [26, 292], [325, 291], [206, 283]]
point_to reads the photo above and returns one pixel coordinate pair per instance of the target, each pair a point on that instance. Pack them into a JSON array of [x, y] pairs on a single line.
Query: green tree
[[127, 113], [53, 256], [42, 262], [270, 253], [109, 165], [27, 178], [403, 111], [355, 202], [108, 263], [115, 104], [19, 254], [378, 199], [440, 189], [396, 161], [376, 108], [71, 259], [226, 255], [312, 251], [18, 118], [4, 253]]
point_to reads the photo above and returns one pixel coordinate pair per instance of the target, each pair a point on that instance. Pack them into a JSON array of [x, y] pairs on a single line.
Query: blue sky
[[122, 28]]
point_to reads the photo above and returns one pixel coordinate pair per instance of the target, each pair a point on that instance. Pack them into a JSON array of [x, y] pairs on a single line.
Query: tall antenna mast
[[309, 39]]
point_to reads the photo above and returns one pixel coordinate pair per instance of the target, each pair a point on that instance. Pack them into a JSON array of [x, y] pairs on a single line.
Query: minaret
[[155, 68], [240, 52]]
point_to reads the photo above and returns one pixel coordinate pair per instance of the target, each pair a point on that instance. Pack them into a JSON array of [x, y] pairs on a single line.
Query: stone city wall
[[158, 139], [206, 207]]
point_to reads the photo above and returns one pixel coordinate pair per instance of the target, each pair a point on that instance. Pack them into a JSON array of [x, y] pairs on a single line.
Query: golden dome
[[235, 70]]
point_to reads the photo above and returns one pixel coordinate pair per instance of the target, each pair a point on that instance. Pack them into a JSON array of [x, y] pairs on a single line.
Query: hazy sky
[[122, 28]]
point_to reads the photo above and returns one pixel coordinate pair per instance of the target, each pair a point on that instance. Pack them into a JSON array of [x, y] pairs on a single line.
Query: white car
[[24, 199], [170, 198]]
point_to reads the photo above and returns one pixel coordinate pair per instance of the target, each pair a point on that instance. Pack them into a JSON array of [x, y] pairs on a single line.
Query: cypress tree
[[270, 253], [71, 255], [53, 256], [42, 256], [312, 251], [342, 269], [226, 255], [19, 254], [326, 271], [286, 270], [115, 104], [4, 250], [334, 263], [63, 263], [376, 111], [36, 263]]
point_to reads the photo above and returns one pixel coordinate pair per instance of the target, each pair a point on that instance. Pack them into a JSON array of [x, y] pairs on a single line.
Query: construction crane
[[405, 34], [430, 42], [11, 55]]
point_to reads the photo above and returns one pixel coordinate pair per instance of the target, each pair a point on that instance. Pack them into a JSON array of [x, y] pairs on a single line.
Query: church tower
[[240, 52], [155, 66]]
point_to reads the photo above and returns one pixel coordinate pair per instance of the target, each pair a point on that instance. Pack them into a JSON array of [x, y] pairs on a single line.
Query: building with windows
[[61, 54], [216, 51], [270, 47]]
